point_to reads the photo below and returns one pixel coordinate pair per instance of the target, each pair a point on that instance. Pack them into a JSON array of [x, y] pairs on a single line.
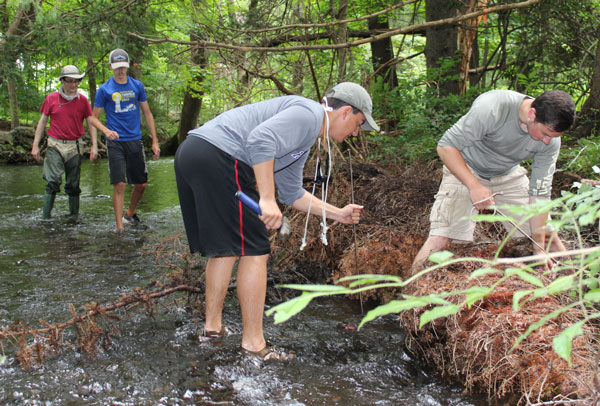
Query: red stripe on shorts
[[237, 181]]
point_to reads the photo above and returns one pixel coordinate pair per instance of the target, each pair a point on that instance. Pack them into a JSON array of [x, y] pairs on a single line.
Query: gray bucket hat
[[356, 96], [70, 71]]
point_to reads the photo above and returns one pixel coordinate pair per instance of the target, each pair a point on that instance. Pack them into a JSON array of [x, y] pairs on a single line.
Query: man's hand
[[350, 214], [35, 152], [111, 135], [271, 215], [481, 197], [93, 152], [549, 264], [156, 150]]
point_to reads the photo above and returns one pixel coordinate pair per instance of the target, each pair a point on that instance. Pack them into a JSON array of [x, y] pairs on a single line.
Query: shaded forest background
[[424, 61]]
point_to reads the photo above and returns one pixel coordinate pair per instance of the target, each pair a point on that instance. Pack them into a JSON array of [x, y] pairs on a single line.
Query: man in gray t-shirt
[[254, 148], [482, 153]]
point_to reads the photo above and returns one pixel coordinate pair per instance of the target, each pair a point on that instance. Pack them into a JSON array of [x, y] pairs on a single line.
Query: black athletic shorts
[[127, 157], [217, 224]]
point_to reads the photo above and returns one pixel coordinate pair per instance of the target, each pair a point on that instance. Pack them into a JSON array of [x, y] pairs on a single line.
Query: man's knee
[[436, 243], [119, 187], [53, 187]]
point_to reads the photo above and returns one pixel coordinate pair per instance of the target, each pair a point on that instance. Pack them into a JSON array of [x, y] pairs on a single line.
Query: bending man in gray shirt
[[251, 149], [482, 153]]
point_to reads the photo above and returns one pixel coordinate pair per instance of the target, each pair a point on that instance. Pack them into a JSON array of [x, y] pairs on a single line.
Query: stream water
[[47, 265]]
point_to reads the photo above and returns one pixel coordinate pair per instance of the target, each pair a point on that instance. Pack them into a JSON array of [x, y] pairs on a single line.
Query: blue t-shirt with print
[[121, 106]]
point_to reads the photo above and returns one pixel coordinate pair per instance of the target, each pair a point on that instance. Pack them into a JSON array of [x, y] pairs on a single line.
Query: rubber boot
[[74, 205], [48, 204]]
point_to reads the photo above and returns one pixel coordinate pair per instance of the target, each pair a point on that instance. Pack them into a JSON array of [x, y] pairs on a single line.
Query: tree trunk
[[383, 53], [442, 45], [467, 38], [10, 55], [91, 77], [340, 35], [589, 117], [192, 100], [13, 103]]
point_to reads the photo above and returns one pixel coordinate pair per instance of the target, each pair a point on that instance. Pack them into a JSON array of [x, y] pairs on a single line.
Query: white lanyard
[[325, 186]]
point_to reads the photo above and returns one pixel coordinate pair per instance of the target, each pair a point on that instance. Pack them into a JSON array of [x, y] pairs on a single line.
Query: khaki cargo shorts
[[453, 207]]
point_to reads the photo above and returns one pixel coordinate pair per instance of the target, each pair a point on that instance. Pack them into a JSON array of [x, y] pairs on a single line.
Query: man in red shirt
[[66, 108]]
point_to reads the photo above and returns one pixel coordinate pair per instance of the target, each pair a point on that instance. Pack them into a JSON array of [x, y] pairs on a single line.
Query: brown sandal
[[208, 335], [270, 352]]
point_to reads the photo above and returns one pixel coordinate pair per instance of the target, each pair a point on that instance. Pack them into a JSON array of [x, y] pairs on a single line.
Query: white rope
[[325, 187], [309, 206]]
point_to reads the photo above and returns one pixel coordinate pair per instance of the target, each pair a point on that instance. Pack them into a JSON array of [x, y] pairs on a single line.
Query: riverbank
[[474, 346], [15, 145]]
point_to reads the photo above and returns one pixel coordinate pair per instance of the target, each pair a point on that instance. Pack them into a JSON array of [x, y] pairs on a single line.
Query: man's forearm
[[265, 182], [316, 207], [454, 161]]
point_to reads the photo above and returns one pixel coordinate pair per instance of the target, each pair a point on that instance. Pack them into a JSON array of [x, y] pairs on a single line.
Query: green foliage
[[543, 50], [582, 155], [416, 117], [576, 276]]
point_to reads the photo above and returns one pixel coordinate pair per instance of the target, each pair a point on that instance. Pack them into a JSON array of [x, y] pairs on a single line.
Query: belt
[[66, 141]]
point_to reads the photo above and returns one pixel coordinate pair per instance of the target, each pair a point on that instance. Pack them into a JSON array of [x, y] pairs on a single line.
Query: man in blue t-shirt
[[121, 98]]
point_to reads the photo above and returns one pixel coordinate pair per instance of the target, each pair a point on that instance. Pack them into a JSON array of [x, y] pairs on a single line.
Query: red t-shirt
[[66, 117]]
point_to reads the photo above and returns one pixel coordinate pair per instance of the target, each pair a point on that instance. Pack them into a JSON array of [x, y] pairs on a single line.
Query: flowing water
[[47, 265]]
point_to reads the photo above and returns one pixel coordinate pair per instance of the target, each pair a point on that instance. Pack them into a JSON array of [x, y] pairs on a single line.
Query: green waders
[[74, 205], [62, 158], [48, 204]]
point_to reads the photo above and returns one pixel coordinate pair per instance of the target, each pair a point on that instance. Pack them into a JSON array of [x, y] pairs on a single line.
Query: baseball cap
[[118, 59], [356, 96], [70, 71]]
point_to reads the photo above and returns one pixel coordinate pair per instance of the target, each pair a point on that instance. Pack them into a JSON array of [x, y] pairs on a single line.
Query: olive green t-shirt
[[493, 143]]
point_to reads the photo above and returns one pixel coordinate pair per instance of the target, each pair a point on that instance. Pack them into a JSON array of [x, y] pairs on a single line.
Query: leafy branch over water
[[506, 314]]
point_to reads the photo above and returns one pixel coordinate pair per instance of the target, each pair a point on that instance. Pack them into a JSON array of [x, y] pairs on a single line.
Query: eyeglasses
[[69, 80]]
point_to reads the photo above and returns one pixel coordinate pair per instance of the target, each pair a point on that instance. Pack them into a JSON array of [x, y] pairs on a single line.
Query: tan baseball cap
[[356, 96]]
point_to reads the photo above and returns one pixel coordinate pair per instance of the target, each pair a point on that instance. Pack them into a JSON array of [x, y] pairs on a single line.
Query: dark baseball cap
[[118, 59]]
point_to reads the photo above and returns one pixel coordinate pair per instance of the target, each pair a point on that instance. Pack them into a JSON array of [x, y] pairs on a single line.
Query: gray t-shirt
[[493, 143], [282, 129]]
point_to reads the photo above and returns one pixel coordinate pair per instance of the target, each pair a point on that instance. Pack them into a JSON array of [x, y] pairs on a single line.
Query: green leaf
[[329, 289], [518, 295], [441, 256], [395, 306], [561, 284], [286, 310], [540, 323], [526, 276], [483, 271], [437, 312], [592, 296], [368, 279], [372, 277], [491, 218], [562, 342], [476, 293]]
